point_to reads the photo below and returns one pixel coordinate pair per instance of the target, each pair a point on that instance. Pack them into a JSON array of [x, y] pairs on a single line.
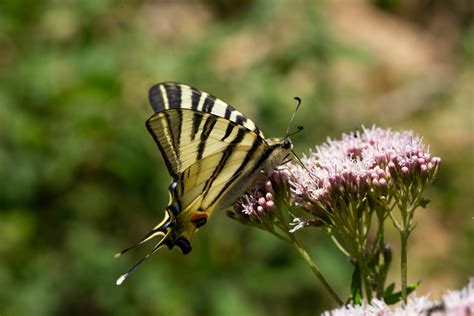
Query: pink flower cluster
[[375, 161], [258, 203], [343, 185]]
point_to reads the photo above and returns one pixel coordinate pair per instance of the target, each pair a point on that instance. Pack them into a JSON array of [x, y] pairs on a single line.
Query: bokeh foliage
[[81, 178]]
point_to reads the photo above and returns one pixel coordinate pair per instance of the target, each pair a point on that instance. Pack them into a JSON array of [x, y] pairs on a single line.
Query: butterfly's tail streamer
[[163, 229], [160, 244], [160, 229]]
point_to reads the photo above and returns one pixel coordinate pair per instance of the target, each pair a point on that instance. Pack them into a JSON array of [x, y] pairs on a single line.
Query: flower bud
[[436, 160], [269, 196], [424, 168], [268, 186]]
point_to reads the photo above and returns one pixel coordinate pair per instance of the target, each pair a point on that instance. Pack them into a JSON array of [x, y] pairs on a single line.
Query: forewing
[[170, 95], [185, 136]]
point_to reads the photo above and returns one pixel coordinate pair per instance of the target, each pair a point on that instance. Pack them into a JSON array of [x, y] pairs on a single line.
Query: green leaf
[[389, 290], [356, 286], [397, 297]]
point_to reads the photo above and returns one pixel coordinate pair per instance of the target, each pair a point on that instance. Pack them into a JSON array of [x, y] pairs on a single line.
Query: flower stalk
[[404, 264], [314, 268], [254, 209]]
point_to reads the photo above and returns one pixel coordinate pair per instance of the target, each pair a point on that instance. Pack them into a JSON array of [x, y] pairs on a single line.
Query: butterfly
[[213, 154]]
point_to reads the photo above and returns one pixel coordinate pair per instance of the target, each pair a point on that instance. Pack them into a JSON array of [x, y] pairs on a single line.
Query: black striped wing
[[204, 161], [178, 146], [206, 143], [213, 153]]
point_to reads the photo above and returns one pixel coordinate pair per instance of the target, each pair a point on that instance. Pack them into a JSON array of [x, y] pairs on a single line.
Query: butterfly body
[[212, 152]]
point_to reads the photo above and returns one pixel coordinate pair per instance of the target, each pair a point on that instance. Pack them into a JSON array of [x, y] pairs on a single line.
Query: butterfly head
[[278, 150], [283, 143], [287, 144]]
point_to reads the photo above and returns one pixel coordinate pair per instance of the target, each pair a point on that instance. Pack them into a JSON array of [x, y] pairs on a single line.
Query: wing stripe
[[195, 97], [165, 97], [256, 144], [165, 157], [201, 100], [209, 103], [228, 111], [179, 129], [173, 95], [225, 156], [258, 132], [228, 131], [207, 129], [264, 157], [181, 182], [197, 118], [172, 135], [156, 98], [241, 120]]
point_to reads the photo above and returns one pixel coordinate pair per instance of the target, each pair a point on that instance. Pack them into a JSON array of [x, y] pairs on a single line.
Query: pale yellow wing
[[203, 160], [185, 136]]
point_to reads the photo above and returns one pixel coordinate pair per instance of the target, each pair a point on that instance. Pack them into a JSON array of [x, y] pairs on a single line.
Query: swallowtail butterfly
[[212, 152]]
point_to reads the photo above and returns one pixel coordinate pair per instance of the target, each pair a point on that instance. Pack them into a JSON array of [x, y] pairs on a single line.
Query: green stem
[[361, 239], [364, 271], [383, 269], [403, 263], [379, 243], [404, 232], [315, 270], [277, 235], [339, 246], [281, 224], [395, 222]]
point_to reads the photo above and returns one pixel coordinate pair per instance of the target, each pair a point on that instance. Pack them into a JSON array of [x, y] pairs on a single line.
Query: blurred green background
[[81, 178]]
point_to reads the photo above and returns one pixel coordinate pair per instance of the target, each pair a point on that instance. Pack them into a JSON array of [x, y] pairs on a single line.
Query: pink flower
[[256, 206], [453, 303], [375, 162]]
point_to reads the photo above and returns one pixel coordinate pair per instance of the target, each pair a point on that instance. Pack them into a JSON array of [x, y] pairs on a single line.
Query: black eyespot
[[174, 209], [169, 242], [199, 222], [184, 245]]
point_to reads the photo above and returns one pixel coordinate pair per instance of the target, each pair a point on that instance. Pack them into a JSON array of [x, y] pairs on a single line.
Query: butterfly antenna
[[160, 244], [300, 162], [286, 160], [298, 129], [160, 229], [293, 117]]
